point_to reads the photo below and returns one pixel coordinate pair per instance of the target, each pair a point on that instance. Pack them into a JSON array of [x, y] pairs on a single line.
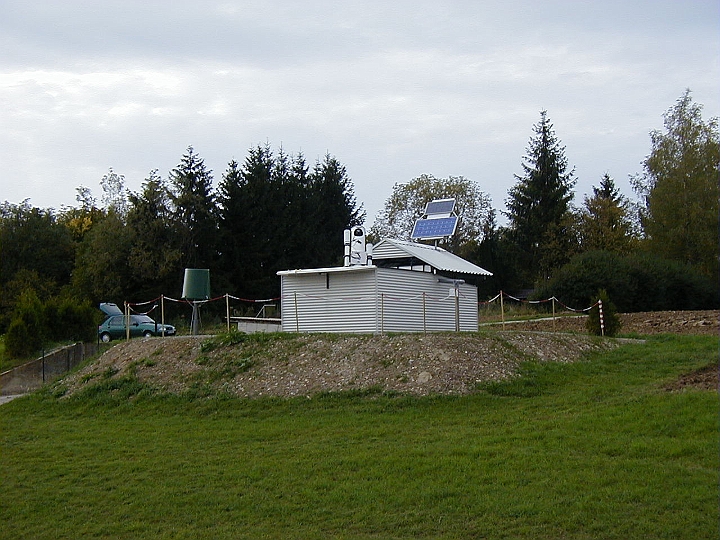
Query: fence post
[[457, 309], [382, 314], [297, 318], [127, 322], [424, 315], [502, 310], [602, 320], [553, 304], [162, 313], [227, 310]]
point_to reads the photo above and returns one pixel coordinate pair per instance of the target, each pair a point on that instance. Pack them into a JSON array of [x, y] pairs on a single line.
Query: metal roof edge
[[437, 257], [328, 270]]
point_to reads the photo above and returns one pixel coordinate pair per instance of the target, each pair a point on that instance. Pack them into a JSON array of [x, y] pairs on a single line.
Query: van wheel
[[147, 333]]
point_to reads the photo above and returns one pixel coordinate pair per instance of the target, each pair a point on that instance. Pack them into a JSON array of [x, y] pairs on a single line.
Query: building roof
[[436, 257], [329, 270]]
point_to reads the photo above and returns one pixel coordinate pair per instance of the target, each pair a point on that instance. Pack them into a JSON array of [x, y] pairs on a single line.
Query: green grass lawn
[[596, 449]]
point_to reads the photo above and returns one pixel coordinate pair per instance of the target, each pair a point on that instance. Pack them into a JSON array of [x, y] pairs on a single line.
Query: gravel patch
[[309, 364], [415, 364]]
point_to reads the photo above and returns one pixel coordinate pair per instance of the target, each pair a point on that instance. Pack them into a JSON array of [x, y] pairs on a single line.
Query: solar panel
[[434, 228], [440, 206]]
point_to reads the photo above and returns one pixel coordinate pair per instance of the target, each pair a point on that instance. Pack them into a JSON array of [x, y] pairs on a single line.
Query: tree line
[[659, 252], [273, 212], [270, 213]]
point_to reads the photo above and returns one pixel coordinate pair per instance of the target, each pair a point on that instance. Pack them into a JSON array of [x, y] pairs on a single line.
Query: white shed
[[409, 287]]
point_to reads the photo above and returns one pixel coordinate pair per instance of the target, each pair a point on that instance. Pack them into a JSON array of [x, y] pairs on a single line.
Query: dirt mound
[[307, 364], [291, 365], [702, 379]]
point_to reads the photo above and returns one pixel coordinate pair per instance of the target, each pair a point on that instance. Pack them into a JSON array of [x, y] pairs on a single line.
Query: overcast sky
[[393, 89]]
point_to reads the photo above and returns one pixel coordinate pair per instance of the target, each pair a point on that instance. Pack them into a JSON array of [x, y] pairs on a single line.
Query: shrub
[[68, 319], [635, 282], [26, 330], [611, 322]]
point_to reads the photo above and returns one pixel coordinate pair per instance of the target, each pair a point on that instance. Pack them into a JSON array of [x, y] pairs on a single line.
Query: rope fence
[[501, 296], [132, 307], [452, 300]]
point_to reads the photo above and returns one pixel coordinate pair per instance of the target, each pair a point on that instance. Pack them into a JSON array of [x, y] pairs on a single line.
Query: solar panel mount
[[440, 208], [438, 222], [433, 229]]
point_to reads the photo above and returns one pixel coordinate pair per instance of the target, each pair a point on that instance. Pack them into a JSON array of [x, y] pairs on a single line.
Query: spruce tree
[[276, 214], [334, 209], [540, 221], [155, 262], [195, 210], [605, 222], [249, 214]]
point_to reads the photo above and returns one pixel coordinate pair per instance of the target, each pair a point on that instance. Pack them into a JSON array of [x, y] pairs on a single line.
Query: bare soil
[[417, 364], [646, 323], [702, 379]]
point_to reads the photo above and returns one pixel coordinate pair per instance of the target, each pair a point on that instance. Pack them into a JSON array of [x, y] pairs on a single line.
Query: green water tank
[[196, 285]]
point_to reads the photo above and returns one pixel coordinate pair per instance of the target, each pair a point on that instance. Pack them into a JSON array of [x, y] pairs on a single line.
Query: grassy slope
[[591, 450]]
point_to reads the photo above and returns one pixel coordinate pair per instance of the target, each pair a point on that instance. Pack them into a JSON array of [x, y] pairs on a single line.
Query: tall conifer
[[540, 221], [195, 210]]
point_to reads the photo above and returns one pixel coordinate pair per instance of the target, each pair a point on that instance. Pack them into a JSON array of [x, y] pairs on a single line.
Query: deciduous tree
[[115, 195], [407, 204], [101, 270], [679, 187], [33, 239]]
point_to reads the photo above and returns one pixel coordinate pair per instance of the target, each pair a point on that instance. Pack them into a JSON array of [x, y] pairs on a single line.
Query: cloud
[[393, 89]]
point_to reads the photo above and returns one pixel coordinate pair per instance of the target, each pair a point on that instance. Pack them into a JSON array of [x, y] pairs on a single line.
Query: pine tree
[[195, 210], [248, 214], [155, 262], [540, 221], [334, 209], [605, 222]]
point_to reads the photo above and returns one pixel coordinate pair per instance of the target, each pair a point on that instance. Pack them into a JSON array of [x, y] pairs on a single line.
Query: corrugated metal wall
[[329, 302], [375, 300], [404, 307]]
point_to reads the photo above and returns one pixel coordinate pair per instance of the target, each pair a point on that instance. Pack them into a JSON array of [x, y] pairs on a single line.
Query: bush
[[26, 330], [59, 319], [635, 282], [610, 323], [68, 319]]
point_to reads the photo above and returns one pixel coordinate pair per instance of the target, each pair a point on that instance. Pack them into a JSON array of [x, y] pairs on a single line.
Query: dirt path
[[7, 399]]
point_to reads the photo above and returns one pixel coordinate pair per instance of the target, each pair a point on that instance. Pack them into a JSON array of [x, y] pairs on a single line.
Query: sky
[[392, 89]]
